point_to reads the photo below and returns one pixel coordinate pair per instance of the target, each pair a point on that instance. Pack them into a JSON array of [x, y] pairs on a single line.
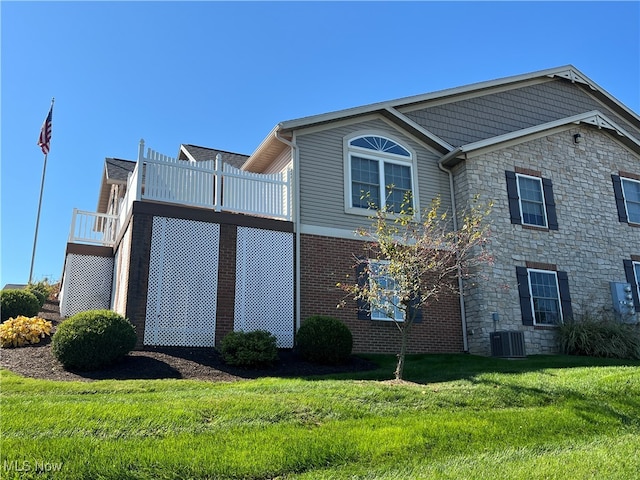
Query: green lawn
[[464, 417]]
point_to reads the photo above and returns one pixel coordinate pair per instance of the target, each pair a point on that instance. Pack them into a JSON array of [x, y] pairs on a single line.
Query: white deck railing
[[93, 228], [206, 184]]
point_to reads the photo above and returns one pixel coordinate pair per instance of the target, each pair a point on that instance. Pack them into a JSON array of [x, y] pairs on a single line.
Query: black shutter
[[565, 298], [617, 190], [364, 309], [631, 278], [525, 297], [552, 218], [514, 202], [414, 308]]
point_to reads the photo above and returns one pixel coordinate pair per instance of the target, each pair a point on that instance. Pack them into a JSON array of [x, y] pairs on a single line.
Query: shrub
[[249, 349], [41, 289], [324, 340], [93, 339], [18, 302], [20, 331], [600, 337]]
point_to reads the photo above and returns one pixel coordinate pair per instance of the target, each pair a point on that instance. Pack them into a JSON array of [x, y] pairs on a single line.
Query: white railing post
[[217, 178], [140, 168], [141, 150], [73, 225]]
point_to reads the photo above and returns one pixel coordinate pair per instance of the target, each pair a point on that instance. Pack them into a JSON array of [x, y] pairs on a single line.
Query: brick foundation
[[326, 261]]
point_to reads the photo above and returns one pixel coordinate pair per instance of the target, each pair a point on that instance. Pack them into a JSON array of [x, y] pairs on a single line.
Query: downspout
[[463, 314], [296, 216]]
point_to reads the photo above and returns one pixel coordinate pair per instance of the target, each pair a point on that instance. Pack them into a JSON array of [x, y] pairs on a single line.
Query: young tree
[[414, 258]]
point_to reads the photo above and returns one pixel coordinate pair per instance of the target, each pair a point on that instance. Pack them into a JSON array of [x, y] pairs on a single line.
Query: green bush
[[93, 339], [41, 289], [600, 337], [18, 302], [249, 349], [324, 340]]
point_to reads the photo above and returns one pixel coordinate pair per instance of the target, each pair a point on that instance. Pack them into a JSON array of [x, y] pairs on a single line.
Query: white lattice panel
[[121, 273], [264, 283], [87, 284], [183, 283]]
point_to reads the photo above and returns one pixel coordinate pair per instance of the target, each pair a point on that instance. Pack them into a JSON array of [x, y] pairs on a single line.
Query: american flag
[[44, 140]]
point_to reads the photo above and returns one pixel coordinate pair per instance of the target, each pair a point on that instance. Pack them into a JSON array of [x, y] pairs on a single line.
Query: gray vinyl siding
[[322, 202], [466, 121]]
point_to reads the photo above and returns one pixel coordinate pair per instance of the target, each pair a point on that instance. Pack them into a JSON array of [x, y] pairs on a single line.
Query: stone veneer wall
[[590, 244], [326, 261]]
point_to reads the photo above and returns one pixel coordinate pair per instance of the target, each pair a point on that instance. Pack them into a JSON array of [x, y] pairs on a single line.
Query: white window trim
[[636, 272], [386, 157], [624, 195], [544, 201], [371, 279], [533, 311]]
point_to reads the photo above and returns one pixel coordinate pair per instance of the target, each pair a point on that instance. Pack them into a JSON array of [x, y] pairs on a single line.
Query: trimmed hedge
[[249, 349], [14, 303], [93, 339], [325, 340]]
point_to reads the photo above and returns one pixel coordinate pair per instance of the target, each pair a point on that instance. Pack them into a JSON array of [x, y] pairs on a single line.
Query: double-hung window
[[374, 274], [627, 192], [544, 296], [632, 272], [531, 201], [380, 173], [388, 308]]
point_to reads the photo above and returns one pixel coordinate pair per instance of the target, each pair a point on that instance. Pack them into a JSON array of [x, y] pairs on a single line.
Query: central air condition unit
[[507, 344]]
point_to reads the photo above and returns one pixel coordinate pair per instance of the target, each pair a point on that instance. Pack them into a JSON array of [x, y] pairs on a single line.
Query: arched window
[[381, 173]]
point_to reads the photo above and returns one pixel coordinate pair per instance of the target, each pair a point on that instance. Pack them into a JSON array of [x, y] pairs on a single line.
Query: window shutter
[[552, 218], [512, 192], [565, 298], [617, 190], [631, 278], [364, 309], [414, 306], [525, 297]]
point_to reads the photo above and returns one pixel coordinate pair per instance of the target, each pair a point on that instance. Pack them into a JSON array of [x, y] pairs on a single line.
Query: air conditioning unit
[[507, 344]]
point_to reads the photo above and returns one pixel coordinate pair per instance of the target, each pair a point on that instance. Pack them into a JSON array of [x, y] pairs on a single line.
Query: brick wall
[[326, 261]]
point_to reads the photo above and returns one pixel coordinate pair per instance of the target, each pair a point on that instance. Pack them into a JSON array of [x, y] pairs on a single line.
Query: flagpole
[[35, 238], [44, 170]]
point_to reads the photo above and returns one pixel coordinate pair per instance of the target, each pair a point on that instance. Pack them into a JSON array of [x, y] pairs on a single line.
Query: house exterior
[[270, 234]]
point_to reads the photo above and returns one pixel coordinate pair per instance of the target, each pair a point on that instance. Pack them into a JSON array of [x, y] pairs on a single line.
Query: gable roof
[[423, 115], [594, 118]]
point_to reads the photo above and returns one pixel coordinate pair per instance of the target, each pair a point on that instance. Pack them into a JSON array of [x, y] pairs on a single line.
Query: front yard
[[458, 417]]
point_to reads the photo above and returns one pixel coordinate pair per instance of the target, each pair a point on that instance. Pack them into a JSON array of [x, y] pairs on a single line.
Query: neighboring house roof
[[454, 117], [116, 171], [195, 153]]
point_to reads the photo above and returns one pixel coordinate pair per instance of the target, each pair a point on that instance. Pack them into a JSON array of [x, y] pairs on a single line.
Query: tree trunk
[[404, 334]]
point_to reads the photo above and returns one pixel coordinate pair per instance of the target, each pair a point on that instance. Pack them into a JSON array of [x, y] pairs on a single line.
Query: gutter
[[296, 216], [463, 314]]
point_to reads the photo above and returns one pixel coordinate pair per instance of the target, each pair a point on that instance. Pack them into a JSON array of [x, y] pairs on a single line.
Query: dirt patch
[[37, 361]]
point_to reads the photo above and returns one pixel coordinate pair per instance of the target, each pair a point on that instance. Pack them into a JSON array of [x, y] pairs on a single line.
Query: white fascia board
[[419, 128], [328, 117], [593, 117]]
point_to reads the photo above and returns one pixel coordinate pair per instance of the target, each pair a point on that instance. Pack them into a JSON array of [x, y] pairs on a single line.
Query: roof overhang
[[271, 146], [594, 118]]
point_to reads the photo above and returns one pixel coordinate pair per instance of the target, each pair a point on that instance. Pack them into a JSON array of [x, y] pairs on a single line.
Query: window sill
[[546, 327], [533, 227]]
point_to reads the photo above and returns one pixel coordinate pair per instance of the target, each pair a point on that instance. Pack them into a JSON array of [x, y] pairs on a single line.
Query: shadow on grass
[[434, 368]]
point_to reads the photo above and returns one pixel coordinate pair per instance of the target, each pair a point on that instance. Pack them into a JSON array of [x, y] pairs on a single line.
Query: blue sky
[[223, 74]]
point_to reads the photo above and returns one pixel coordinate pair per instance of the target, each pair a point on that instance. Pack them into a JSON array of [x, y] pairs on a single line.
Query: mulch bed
[[37, 361]]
